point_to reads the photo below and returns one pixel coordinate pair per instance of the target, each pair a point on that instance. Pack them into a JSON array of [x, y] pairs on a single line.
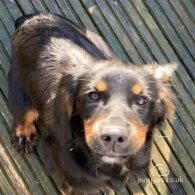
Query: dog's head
[[119, 104]]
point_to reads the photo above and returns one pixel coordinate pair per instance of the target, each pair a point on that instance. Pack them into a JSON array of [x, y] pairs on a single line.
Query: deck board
[[138, 31]]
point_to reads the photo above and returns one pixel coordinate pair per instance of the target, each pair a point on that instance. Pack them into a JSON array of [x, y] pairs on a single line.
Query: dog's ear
[[63, 109], [163, 74]]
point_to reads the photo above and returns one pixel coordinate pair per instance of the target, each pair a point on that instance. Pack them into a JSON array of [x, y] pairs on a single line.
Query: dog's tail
[[22, 19]]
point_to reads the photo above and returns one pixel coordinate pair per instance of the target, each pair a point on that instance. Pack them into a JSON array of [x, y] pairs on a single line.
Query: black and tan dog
[[99, 111]]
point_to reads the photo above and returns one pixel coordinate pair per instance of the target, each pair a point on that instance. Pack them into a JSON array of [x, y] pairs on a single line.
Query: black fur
[[55, 64]]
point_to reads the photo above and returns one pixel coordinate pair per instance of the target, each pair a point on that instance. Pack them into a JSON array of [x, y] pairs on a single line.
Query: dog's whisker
[[76, 145]]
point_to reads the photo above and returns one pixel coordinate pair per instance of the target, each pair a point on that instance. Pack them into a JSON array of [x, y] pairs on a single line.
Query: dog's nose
[[114, 138]]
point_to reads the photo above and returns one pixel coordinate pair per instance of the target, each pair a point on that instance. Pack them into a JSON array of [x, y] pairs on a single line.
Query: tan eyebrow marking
[[101, 85], [136, 88]]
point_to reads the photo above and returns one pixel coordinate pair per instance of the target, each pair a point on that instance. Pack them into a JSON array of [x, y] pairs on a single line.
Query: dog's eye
[[141, 100], [95, 96]]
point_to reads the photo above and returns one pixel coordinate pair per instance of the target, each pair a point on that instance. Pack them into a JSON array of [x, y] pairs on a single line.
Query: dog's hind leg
[[24, 114]]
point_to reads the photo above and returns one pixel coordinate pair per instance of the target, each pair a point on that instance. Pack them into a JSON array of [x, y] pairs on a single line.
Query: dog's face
[[120, 105]]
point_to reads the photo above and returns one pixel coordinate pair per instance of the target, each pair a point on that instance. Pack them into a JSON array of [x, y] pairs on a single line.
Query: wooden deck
[[140, 31]]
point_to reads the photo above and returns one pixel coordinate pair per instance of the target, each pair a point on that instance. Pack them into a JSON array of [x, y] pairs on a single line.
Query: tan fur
[[139, 133], [136, 88], [27, 128], [90, 127], [31, 116], [167, 97], [68, 104], [19, 130], [101, 85]]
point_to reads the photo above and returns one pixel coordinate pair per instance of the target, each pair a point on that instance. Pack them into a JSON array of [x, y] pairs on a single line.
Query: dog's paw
[[23, 143]]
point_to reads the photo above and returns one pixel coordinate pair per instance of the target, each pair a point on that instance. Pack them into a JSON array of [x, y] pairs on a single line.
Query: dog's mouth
[[114, 159]]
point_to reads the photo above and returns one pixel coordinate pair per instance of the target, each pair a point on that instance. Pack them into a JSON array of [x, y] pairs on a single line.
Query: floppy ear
[[163, 74], [62, 113]]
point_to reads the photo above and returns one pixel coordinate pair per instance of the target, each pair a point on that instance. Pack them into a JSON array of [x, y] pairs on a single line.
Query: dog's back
[[19, 21]]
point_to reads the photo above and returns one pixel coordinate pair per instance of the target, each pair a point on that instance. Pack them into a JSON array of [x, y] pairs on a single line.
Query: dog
[[99, 112]]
